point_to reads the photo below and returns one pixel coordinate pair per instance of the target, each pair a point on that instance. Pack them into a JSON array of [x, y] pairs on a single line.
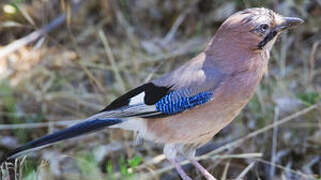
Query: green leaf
[[135, 161], [109, 167], [123, 167], [309, 98]]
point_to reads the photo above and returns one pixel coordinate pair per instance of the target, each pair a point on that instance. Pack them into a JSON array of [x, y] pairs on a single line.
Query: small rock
[[287, 104], [102, 151], [150, 47], [8, 142]]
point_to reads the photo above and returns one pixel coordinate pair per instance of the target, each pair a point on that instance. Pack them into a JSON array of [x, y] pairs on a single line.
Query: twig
[[111, 58], [125, 24], [274, 141], [170, 35], [308, 169], [17, 174], [93, 78], [245, 171], [26, 15], [224, 175], [21, 166], [17, 44]]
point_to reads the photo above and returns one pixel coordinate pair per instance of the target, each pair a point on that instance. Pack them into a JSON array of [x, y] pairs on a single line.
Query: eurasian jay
[[185, 108]]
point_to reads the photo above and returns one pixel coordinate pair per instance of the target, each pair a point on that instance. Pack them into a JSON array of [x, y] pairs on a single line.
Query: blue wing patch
[[174, 102]]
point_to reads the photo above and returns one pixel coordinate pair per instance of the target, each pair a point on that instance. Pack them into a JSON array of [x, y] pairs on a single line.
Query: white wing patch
[[138, 99]]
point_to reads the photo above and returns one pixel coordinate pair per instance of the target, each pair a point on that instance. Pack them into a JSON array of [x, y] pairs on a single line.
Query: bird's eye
[[263, 28]]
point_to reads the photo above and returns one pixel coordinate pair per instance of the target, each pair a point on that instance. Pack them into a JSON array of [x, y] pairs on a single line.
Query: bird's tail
[[82, 128]]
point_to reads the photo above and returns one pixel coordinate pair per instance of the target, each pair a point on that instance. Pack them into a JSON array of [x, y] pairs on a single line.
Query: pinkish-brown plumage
[[231, 67], [187, 107]]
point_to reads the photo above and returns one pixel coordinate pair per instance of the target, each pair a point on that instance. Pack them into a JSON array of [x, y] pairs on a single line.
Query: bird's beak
[[288, 23]]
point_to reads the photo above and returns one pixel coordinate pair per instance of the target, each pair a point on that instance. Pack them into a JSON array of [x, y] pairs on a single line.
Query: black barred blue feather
[[174, 102], [150, 100]]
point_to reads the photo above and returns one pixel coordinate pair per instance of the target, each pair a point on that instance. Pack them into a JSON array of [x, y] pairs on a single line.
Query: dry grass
[[106, 47]]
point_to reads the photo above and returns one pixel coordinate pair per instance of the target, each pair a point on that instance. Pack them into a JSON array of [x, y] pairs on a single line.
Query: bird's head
[[255, 29]]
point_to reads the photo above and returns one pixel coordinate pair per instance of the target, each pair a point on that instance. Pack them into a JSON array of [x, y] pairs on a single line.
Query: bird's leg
[[188, 151], [170, 151], [205, 173], [179, 169]]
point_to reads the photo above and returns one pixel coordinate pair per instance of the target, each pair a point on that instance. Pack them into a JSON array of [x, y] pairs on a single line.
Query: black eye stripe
[[266, 39]]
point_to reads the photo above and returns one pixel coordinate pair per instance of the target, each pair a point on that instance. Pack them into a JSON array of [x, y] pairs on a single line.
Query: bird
[[185, 108]]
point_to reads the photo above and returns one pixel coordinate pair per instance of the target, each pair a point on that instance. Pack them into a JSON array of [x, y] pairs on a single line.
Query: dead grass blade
[[224, 175], [17, 44], [111, 58], [168, 168], [305, 176], [245, 171]]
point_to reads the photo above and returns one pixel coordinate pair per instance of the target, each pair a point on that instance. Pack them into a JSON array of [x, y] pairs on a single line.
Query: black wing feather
[[153, 94]]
